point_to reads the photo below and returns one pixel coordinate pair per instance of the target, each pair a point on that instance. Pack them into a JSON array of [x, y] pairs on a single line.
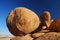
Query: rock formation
[[24, 24], [22, 21], [45, 19]]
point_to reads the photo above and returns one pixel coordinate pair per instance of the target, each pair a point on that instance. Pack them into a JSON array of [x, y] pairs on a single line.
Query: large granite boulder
[[22, 21]]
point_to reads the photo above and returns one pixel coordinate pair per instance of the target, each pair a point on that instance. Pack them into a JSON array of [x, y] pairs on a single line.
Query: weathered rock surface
[[55, 25], [26, 37], [50, 36], [22, 21]]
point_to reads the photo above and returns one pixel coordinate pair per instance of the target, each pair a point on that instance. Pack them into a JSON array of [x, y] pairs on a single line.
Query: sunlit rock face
[[45, 18], [22, 21]]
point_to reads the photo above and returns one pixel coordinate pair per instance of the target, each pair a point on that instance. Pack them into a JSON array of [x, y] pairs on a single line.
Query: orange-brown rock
[[50, 36], [55, 25], [26, 37], [45, 19], [22, 21]]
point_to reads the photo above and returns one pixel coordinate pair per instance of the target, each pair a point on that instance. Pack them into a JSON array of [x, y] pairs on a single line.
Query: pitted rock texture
[[22, 21], [45, 19], [55, 25], [50, 36]]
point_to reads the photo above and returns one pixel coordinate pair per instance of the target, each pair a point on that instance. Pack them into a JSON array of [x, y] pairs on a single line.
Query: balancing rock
[[22, 21]]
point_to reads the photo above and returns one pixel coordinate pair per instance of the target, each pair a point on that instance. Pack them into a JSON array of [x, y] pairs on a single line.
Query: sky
[[38, 6]]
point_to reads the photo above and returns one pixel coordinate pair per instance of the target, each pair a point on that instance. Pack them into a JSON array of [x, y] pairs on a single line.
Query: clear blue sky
[[38, 6]]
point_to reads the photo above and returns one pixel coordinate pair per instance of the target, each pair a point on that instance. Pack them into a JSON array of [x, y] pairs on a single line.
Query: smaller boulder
[[45, 19]]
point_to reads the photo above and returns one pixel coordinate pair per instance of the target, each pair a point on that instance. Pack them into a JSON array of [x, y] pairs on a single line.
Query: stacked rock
[[22, 21], [44, 25], [25, 24]]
